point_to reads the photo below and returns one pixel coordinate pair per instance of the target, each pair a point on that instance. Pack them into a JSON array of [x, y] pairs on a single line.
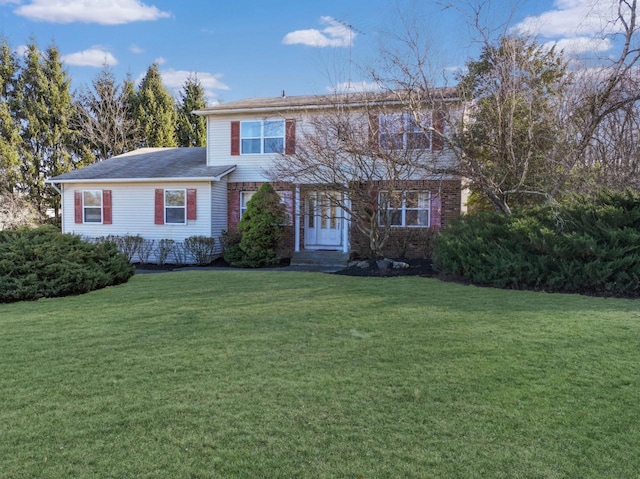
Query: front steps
[[322, 260]]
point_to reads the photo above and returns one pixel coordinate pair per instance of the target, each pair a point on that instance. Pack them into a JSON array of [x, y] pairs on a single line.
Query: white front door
[[323, 220]]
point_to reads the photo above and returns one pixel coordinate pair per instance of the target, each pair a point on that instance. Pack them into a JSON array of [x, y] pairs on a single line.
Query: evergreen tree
[[154, 111], [261, 229], [9, 133], [44, 110], [191, 129]]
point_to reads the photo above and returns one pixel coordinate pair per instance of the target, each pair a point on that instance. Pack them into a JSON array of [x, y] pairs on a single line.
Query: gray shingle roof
[[148, 164], [302, 102]]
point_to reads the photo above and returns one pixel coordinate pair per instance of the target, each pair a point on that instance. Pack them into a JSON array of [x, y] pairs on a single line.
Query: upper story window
[[405, 208], [175, 206], [401, 131], [92, 206], [258, 137]]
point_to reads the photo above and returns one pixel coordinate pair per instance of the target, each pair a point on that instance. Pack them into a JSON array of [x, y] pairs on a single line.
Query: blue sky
[[257, 48]]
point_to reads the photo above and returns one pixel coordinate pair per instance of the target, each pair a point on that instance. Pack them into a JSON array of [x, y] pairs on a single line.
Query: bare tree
[[103, 115], [361, 151]]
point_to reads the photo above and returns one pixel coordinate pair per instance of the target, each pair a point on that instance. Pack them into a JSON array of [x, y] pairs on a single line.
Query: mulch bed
[[417, 267]]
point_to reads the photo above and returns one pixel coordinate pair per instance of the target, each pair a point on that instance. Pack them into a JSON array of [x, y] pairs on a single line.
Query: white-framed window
[[245, 196], [175, 206], [92, 206], [262, 136], [401, 131], [405, 209]]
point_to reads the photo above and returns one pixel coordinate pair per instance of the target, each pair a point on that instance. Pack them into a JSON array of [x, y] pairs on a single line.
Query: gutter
[[141, 180], [292, 108]]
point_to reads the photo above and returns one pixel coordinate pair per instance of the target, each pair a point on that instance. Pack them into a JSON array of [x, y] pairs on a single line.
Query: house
[[175, 193]]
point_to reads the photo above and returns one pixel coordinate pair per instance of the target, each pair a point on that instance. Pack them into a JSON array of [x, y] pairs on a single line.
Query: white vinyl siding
[[218, 208], [133, 211], [249, 168]]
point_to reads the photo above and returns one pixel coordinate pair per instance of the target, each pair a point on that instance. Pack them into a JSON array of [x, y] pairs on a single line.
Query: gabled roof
[[149, 164], [315, 102]]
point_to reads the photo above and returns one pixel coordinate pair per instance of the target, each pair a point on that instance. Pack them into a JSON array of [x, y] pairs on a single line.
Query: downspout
[[296, 230]]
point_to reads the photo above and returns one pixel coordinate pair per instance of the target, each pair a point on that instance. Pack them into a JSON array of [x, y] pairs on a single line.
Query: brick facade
[[402, 243]]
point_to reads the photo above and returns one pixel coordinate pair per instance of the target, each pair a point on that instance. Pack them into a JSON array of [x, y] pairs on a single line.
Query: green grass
[[242, 374]]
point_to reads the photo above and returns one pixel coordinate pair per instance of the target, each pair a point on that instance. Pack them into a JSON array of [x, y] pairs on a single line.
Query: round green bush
[[585, 245], [43, 263]]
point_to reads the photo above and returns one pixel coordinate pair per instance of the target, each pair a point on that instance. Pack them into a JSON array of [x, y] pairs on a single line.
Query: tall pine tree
[[191, 129], [9, 133], [44, 110], [154, 111]]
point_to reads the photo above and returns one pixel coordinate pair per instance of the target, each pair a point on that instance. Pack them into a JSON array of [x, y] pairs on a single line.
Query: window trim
[[403, 209], [166, 207], [263, 138], [84, 208]]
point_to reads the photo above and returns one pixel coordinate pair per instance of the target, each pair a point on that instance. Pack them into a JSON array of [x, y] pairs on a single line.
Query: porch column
[[346, 224], [296, 231]]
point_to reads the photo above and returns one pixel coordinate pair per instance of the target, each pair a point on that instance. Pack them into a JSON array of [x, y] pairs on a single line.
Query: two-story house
[[175, 193]]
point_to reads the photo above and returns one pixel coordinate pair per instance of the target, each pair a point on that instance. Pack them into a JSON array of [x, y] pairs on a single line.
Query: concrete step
[[329, 259]]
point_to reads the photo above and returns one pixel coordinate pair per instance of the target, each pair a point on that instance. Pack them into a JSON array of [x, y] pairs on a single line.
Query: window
[[245, 196], [408, 209], [258, 137], [401, 131], [92, 206], [175, 206]]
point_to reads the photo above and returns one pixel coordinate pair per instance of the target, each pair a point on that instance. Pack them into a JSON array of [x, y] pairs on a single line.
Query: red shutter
[[438, 125], [235, 138], [77, 204], [159, 207], [191, 204], [436, 212], [290, 139], [106, 207]]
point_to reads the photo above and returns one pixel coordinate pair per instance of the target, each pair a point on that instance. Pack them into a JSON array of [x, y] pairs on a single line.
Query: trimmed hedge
[[586, 245], [43, 263]]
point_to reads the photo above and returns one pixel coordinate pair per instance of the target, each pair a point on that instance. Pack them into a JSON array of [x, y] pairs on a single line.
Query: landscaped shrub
[[261, 228], [586, 245], [129, 245], [201, 248], [165, 248], [42, 262]]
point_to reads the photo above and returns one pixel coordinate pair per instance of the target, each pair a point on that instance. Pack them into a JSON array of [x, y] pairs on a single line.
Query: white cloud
[[93, 57], [21, 50], [6, 2], [578, 45], [572, 18], [104, 12], [354, 87], [135, 49], [334, 35], [160, 61]]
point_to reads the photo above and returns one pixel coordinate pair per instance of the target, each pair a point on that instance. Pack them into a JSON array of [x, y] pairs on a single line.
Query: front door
[[323, 220]]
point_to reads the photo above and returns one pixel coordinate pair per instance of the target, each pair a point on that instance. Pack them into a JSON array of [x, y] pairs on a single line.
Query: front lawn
[[248, 374]]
